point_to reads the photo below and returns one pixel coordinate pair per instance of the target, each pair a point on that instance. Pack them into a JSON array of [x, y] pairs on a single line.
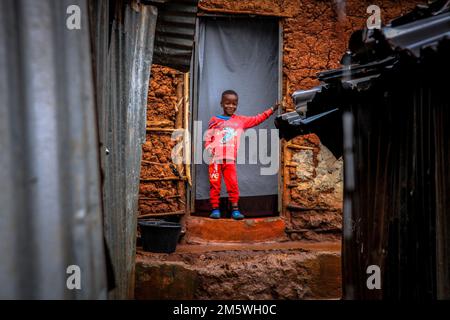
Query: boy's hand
[[276, 106]]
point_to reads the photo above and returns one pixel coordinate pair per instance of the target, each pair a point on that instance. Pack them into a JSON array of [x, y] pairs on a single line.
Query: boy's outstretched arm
[[259, 118]]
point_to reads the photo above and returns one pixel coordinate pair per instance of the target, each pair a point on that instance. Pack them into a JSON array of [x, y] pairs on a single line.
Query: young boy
[[222, 141]]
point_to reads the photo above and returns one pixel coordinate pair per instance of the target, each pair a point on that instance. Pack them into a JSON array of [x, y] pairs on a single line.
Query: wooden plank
[[187, 146], [156, 198], [169, 130], [295, 207], [159, 214], [286, 192], [155, 163], [163, 179], [179, 106], [160, 123], [297, 147], [292, 164], [239, 12]]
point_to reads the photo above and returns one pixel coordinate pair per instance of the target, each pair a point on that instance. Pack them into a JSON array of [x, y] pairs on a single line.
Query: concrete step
[[205, 230]]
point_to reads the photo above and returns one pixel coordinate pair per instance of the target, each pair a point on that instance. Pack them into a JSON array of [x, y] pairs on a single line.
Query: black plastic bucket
[[159, 235]]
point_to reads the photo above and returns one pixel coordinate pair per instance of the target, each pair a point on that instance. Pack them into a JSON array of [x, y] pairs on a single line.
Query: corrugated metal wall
[[49, 169], [123, 37], [397, 181], [394, 109], [123, 51], [397, 185]]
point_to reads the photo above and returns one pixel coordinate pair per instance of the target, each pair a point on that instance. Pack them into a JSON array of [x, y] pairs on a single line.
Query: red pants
[[228, 169]]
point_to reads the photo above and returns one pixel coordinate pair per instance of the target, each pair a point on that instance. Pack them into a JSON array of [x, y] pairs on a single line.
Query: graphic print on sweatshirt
[[228, 134]]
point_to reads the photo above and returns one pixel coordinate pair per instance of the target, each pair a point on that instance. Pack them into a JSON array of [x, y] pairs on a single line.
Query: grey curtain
[[239, 54]]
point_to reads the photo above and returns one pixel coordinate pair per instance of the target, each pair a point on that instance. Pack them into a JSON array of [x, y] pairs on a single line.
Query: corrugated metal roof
[[175, 32]]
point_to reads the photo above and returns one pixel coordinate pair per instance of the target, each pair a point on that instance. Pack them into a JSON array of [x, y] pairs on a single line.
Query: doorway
[[242, 54]]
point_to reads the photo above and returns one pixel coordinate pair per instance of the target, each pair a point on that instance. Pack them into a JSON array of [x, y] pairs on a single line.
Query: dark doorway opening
[[242, 54]]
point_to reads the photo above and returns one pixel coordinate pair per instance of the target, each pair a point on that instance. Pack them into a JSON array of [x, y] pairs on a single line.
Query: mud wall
[[162, 188], [314, 39], [315, 35]]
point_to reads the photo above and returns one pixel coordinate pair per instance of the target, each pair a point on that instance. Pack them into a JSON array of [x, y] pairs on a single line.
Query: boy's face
[[229, 104]]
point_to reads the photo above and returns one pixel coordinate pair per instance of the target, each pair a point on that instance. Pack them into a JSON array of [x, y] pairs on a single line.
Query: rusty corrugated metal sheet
[[396, 186], [395, 112], [49, 171], [175, 32], [123, 61]]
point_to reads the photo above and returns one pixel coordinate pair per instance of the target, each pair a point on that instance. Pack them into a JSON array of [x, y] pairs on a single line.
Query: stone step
[[205, 230], [331, 246], [289, 270]]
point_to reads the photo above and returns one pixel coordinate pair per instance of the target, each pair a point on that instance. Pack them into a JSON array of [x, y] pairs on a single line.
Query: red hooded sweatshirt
[[223, 135]]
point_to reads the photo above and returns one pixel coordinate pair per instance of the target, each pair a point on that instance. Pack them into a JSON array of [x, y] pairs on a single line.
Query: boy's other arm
[[209, 136]]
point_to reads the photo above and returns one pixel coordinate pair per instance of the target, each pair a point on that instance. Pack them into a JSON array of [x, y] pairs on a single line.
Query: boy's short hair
[[229, 92]]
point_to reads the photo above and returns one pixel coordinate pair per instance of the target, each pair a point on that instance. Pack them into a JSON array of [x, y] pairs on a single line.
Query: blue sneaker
[[237, 215], [215, 214]]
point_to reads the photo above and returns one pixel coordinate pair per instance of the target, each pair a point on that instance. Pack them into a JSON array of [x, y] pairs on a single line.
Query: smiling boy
[[222, 141]]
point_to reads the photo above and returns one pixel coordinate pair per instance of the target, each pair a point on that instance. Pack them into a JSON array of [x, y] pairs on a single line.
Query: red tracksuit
[[222, 140]]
